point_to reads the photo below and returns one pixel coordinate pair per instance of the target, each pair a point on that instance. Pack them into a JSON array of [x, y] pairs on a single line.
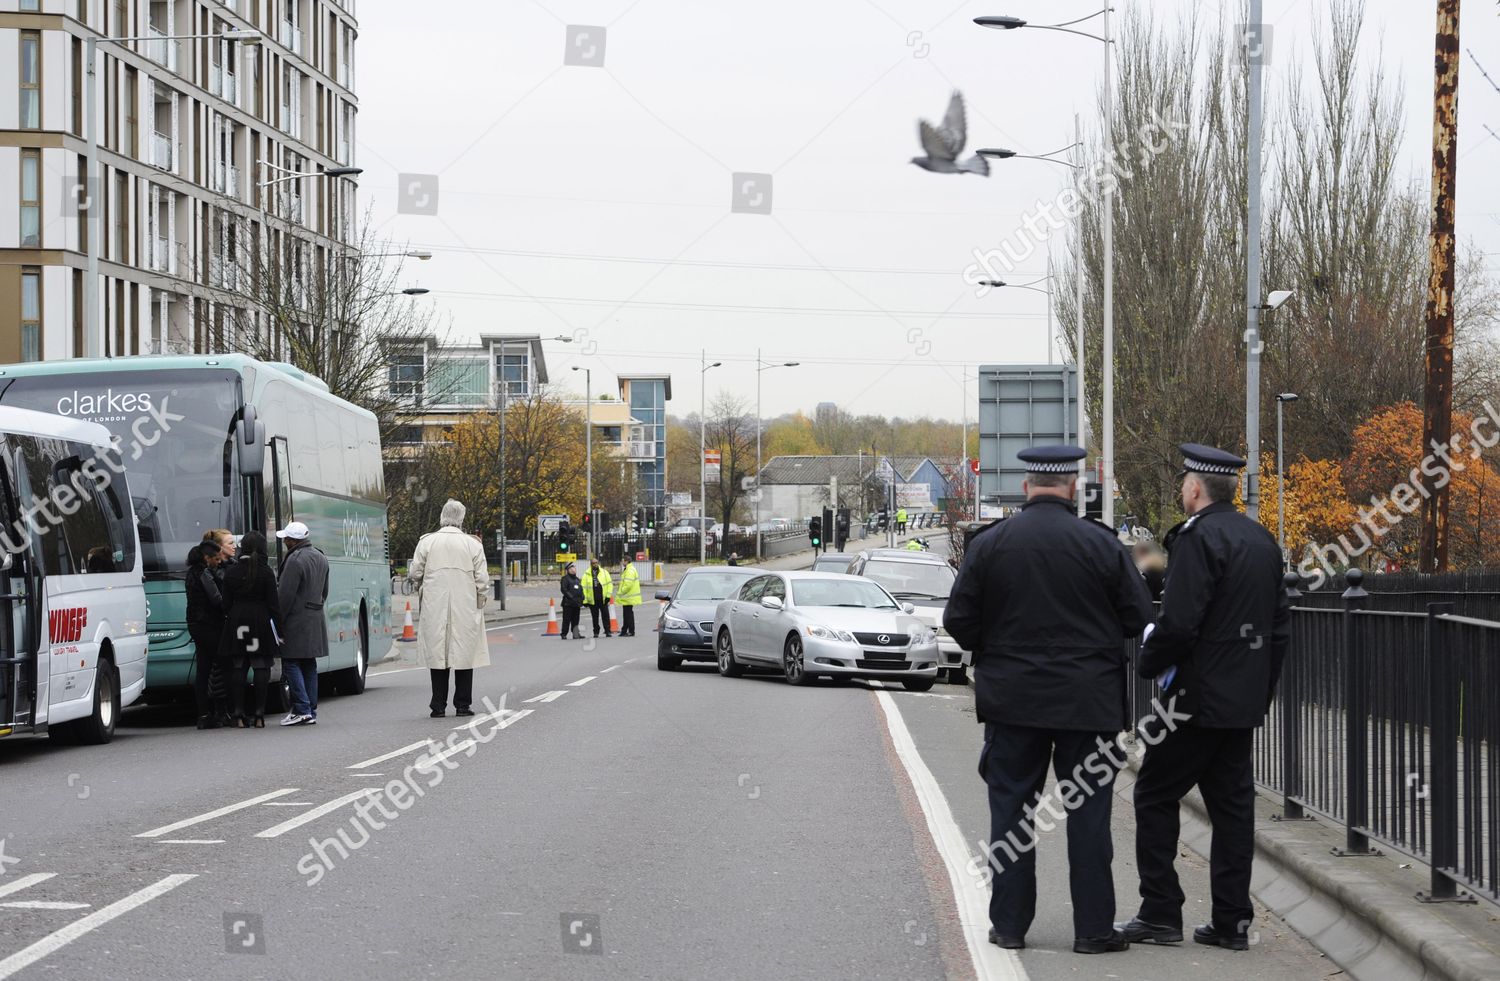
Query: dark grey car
[[686, 628]]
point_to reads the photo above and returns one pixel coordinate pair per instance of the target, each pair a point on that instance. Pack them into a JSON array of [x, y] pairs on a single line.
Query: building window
[[407, 436], [31, 5], [406, 371], [31, 80], [513, 373], [459, 381], [31, 315], [31, 199]]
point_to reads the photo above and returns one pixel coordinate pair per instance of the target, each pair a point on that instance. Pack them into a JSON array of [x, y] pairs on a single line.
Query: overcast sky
[[595, 201]]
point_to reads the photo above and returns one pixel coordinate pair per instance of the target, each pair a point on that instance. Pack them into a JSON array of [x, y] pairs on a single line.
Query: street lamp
[[588, 449], [702, 448], [760, 367], [1076, 165], [1281, 400], [92, 180], [409, 291], [1253, 348], [416, 254], [292, 175], [1107, 451]]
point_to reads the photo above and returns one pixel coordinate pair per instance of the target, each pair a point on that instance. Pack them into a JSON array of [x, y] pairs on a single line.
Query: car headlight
[[923, 635], [828, 633], [673, 623]]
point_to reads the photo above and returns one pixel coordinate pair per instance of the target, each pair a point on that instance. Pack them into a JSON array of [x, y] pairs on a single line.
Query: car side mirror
[[772, 602], [908, 608], [664, 596]]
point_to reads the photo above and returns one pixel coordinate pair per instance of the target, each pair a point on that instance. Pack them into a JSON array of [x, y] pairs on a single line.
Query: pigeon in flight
[[946, 142]]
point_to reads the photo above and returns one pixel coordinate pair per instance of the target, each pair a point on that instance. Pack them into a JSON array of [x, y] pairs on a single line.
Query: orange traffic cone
[[614, 617], [408, 631], [551, 630]]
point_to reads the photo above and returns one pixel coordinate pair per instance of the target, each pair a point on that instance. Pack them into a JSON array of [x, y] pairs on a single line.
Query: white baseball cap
[[296, 530]]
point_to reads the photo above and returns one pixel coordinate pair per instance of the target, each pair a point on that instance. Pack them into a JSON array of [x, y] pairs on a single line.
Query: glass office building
[[647, 396]]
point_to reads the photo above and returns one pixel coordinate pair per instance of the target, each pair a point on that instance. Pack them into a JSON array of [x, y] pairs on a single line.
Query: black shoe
[[1007, 943], [207, 722], [577, 636], [438, 713], [463, 711], [1138, 931], [1209, 936], [1112, 942]]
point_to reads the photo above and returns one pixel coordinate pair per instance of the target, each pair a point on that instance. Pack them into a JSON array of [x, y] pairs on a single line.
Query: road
[[610, 821]]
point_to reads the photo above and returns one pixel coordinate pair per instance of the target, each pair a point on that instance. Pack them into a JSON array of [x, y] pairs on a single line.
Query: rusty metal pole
[[1437, 403]]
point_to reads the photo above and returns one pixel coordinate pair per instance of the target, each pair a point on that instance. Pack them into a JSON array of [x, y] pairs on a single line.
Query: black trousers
[[238, 668], [463, 688], [208, 695], [597, 613], [570, 617], [1217, 761], [627, 620], [1014, 765]]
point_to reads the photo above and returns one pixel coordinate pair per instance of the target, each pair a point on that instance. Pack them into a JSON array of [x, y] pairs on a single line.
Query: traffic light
[[650, 519], [636, 522], [815, 531], [841, 528], [588, 523], [564, 536]]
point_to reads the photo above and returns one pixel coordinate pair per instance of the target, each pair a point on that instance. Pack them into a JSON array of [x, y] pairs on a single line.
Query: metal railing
[[1386, 722]]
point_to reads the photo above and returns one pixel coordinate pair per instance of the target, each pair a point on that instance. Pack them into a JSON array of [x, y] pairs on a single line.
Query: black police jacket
[[1045, 601], [1225, 621]]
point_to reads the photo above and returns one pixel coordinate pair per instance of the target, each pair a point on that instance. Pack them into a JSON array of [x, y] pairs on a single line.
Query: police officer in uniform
[[1217, 650], [1045, 601]]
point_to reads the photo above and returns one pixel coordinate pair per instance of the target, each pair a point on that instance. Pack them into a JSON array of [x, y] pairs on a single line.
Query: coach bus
[[227, 441], [72, 608]]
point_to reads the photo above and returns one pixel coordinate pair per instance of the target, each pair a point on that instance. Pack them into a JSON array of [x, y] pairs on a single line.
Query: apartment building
[[444, 384], [189, 131]]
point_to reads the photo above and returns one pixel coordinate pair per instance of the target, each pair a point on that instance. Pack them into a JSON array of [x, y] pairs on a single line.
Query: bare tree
[[730, 428]]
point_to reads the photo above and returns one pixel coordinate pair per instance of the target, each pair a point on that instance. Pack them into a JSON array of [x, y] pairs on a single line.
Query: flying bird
[[944, 143]]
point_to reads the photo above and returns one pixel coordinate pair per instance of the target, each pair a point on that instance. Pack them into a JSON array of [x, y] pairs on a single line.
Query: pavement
[[600, 818]]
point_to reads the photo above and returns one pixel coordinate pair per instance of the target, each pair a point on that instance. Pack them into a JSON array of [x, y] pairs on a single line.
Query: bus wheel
[[98, 727], [351, 681]]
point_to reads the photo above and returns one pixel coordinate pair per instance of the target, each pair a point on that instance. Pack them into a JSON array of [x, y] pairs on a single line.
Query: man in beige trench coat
[[450, 573]]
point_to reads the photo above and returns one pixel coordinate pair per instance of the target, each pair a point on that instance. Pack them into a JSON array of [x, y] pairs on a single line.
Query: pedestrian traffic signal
[[815, 531], [564, 537], [588, 524]]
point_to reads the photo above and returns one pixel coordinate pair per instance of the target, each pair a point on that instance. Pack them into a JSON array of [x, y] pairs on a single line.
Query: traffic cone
[[551, 630], [614, 618], [408, 630]]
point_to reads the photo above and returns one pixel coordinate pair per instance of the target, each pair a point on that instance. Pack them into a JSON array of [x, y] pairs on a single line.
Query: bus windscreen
[[173, 430]]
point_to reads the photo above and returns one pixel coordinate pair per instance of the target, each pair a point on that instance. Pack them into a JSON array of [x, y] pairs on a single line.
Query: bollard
[[657, 574]]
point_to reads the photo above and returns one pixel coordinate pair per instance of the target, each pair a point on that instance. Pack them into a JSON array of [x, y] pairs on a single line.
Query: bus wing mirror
[[250, 443], [7, 560]]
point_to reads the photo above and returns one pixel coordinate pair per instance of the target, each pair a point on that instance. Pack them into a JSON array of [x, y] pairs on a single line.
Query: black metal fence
[[1386, 721]]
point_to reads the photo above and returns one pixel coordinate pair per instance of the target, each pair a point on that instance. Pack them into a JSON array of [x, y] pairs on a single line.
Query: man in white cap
[[301, 591]]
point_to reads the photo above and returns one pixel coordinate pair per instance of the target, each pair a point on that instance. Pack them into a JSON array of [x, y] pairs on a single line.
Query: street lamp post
[[92, 180], [760, 367], [1281, 401], [1107, 449], [588, 451], [703, 368]]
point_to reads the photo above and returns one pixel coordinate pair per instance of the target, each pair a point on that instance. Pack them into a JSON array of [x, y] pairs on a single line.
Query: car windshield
[[715, 585], [911, 580], [841, 592], [838, 564]]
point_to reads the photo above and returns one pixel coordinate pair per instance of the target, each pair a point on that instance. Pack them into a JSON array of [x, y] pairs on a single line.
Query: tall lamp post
[[1107, 450], [92, 180], [703, 368], [588, 451], [1281, 401], [761, 366], [1076, 165]]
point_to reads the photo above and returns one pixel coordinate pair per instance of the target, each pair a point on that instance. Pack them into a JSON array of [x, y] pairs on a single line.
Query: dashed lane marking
[[372, 761], [58, 939], [190, 841], [426, 762], [216, 813], [609, 669], [582, 681], [24, 882], [549, 696], [278, 830], [42, 904], [497, 715]]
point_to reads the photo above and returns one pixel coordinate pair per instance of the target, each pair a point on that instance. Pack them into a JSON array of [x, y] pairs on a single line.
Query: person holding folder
[[1045, 600]]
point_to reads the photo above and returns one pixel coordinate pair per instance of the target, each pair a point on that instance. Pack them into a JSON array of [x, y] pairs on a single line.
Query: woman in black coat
[[205, 622], [252, 618], [572, 602]]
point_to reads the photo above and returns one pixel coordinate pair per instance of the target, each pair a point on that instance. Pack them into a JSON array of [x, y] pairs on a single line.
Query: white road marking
[[190, 841], [374, 672], [58, 939], [609, 669], [288, 803], [497, 715], [220, 812], [42, 904], [24, 882], [990, 962], [512, 720], [278, 830], [509, 625], [419, 744], [582, 681], [364, 774], [426, 762], [550, 696]]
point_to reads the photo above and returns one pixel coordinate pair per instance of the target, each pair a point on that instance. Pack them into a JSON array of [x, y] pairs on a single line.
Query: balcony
[[161, 255], [291, 37], [161, 50], [162, 151], [223, 84], [639, 451]]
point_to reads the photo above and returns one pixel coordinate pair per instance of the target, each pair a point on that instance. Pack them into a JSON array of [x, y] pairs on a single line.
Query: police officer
[[1045, 601], [1217, 650]]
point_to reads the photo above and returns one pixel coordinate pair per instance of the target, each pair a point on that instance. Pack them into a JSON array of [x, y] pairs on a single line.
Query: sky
[[585, 179]]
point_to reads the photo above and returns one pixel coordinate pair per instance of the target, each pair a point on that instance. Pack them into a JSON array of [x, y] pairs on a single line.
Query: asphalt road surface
[[601, 819]]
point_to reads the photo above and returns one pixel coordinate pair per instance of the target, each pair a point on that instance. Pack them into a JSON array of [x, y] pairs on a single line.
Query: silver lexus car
[[818, 623]]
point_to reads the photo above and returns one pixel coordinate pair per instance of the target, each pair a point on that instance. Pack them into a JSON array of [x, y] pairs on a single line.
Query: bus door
[[277, 491], [20, 600]]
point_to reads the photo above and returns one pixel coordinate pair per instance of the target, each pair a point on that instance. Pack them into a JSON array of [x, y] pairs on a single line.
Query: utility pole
[[1437, 402], [1255, 56], [500, 411]]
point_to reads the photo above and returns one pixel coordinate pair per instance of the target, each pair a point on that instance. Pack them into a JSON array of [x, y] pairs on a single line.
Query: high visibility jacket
[[604, 581], [901, 515], [914, 546], [629, 593]]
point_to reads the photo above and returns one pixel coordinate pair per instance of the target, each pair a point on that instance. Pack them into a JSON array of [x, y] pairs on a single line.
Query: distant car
[[925, 581], [685, 631], [818, 623], [691, 526], [832, 562]]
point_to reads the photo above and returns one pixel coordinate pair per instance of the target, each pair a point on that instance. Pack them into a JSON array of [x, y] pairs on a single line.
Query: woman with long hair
[[250, 638], [205, 619]]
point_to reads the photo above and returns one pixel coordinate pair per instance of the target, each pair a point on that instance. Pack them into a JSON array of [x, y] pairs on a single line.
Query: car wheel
[[792, 664], [98, 727], [728, 666], [668, 663], [919, 684], [958, 675]]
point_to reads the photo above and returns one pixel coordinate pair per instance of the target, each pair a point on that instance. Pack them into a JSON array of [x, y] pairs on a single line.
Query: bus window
[[32, 468]]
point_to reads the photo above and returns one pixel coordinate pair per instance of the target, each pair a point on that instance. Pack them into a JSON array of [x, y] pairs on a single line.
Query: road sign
[[517, 545], [1021, 405], [747, 482], [974, 465], [547, 523], [711, 459]]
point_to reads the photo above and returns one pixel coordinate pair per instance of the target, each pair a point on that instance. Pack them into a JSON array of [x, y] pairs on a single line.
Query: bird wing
[[955, 126], [933, 142]]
